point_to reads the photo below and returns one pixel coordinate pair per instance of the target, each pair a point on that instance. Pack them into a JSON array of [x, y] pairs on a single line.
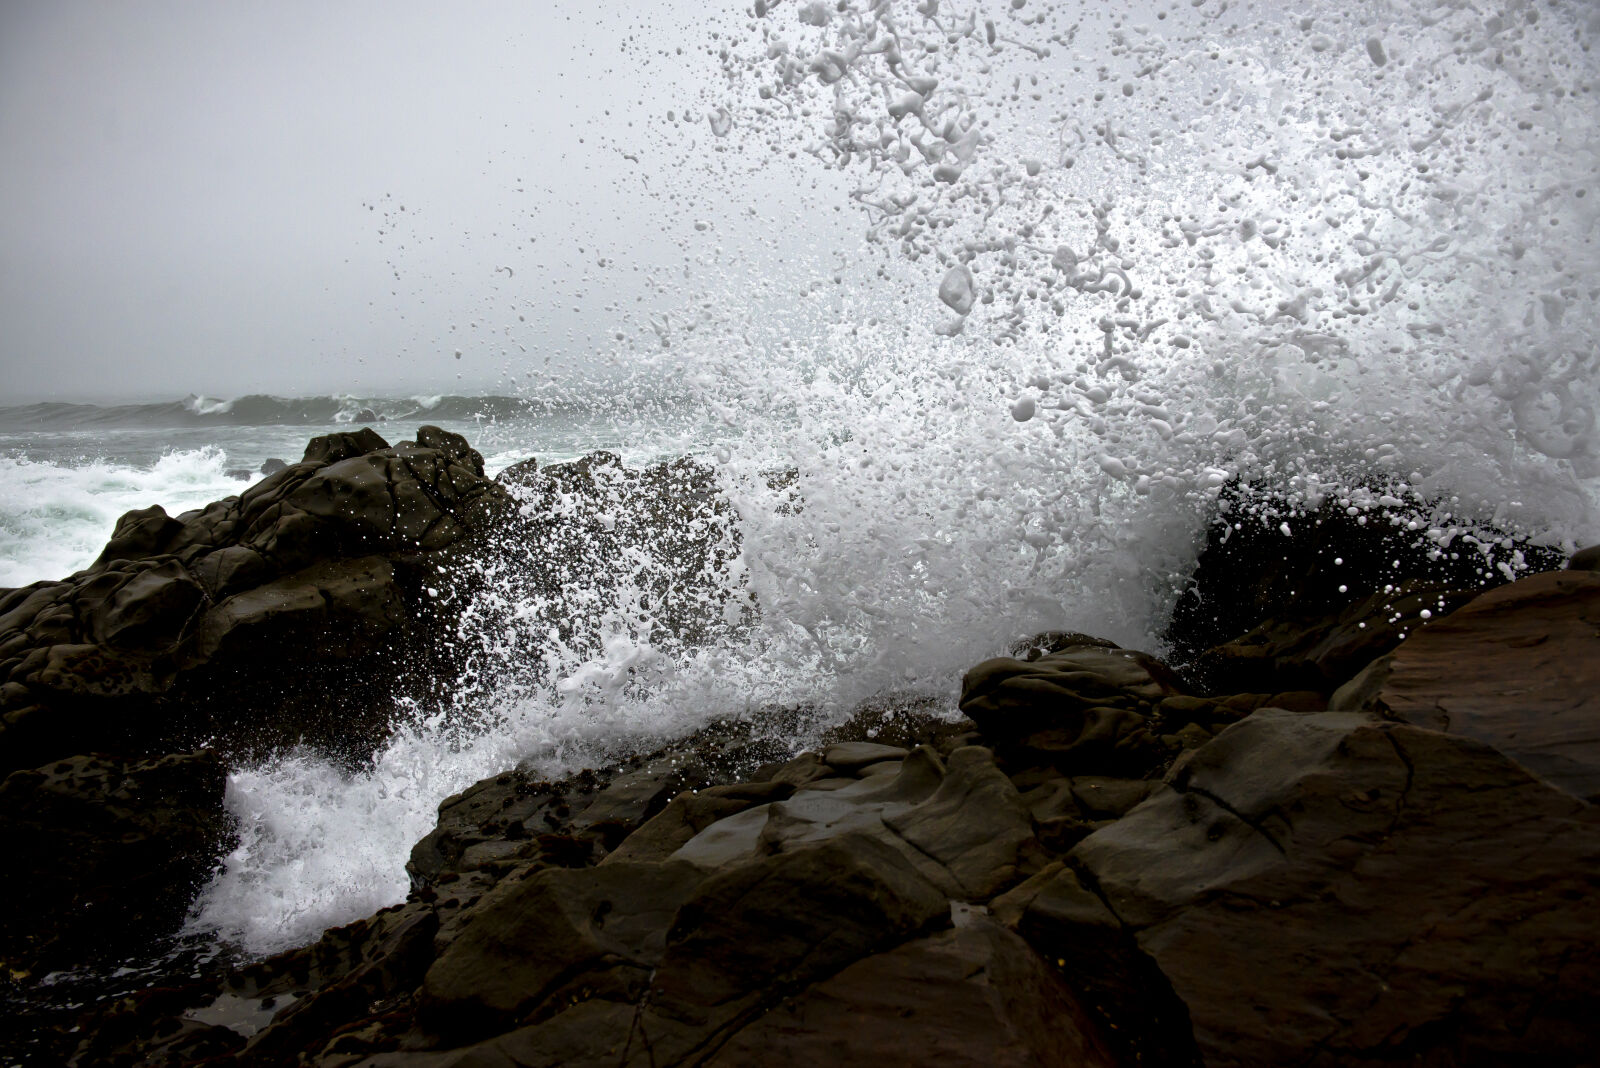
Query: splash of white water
[[1115, 259]]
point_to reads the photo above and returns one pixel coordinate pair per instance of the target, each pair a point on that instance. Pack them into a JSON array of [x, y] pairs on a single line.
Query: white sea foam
[[200, 405], [55, 518], [1125, 259]]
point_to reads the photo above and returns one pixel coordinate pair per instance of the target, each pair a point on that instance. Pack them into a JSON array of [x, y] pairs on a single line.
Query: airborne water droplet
[[956, 289]]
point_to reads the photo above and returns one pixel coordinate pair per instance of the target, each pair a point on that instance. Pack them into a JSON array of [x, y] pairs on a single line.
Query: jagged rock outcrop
[[261, 619], [1108, 863], [296, 614]]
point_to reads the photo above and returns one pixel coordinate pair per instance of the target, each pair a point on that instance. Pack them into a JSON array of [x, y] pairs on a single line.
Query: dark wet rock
[[1585, 559], [1518, 668], [103, 854], [964, 826], [1331, 889], [974, 825], [974, 996], [331, 448], [1143, 1022], [1084, 707], [521, 473], [1321, 654], [555, 929], [693, 812], [182, 628], [758, 932], [1124, 871], [849, 757], [1102, 798], [271, 466], [1335, 554], [1308, 885]]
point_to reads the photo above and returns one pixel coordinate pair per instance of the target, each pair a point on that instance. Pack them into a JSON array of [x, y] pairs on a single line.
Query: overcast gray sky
[[304, 197]]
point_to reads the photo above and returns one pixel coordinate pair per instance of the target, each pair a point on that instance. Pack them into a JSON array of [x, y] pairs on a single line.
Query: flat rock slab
[[1518, 668], [853, 756], [973, 997], [1331, 889]]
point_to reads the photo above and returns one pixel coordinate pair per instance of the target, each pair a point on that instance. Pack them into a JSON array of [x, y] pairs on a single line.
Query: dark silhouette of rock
[[1305, 569], [183, 626], [1144, 1022], [104, 853], [1322, 654]]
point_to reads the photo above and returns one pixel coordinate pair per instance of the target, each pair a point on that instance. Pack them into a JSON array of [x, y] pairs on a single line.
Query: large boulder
[[1329, 889], [250, 611], [1087, 706], [1518, 668], [1299, 576]]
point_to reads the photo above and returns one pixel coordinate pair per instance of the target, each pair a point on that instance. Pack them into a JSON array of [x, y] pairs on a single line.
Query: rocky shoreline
[[1334, 830]]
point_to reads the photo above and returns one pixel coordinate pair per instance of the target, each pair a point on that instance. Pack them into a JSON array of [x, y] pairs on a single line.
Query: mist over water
[[1110, 261]]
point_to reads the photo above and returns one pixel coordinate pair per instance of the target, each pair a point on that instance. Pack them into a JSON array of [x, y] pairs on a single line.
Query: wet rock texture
[[115, 847], [239, 620], [295, 614], [1118, 872], [1096, 860]]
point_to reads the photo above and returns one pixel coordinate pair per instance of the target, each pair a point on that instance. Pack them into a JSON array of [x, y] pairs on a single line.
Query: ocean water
[[1110, 259], [67, 472]]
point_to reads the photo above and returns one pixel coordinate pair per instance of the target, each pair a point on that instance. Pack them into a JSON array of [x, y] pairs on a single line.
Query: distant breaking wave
[[258, 409]]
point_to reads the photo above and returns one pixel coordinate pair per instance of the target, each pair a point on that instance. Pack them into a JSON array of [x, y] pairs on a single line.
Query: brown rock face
[[1331, 890], [1518, 668], [589, 927], [242, 617], [1081, 707]]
